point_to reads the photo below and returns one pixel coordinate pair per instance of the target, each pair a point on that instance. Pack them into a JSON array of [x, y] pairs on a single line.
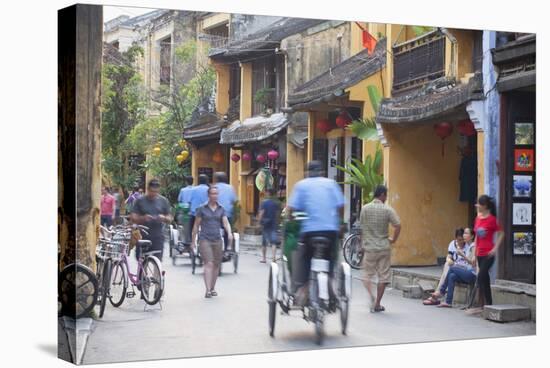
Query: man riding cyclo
[[322, 200]]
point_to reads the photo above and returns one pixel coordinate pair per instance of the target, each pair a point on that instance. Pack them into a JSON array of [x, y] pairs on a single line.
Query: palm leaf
[[374, 97]]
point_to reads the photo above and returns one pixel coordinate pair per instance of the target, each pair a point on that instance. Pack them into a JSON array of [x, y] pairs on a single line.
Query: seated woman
[[463, 270], [458, 241]]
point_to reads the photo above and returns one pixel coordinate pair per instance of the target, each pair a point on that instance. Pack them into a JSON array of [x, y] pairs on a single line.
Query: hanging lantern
[[443, 130], [179, 158], [182, 143], [466, 127], [260, 158], [156, 151], [235, 157], [184, 154], [323, 125], [246, 156], [273, 155], [218, 157], [343, 119]]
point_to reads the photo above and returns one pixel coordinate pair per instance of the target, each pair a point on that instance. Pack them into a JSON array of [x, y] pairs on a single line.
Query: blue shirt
[[320, 198], [199, 196], [185, 194], [271, 208], [226, 197]]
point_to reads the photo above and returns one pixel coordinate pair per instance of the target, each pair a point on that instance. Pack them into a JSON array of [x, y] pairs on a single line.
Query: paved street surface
[[235, 322]]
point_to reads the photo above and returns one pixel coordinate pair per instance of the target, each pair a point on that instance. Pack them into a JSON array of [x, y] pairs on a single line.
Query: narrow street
[[235, 322]]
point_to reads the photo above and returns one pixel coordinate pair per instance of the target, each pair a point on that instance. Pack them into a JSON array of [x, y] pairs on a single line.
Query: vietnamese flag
[[369, 42]]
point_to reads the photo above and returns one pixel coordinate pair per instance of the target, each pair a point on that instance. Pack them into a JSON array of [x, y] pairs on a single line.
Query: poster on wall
[[522, 214], [524, 159], [523, 243], [523, 186], [524, 133]]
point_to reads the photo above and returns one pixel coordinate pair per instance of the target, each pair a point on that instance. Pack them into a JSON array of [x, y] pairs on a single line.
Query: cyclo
[[180, 237], [326, 294]]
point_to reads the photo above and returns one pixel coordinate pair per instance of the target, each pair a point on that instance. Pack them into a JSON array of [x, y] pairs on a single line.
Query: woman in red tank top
[[489, 237]]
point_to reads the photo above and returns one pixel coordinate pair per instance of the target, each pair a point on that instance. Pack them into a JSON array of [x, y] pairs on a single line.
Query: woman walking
[[211, 218], [489, 237]]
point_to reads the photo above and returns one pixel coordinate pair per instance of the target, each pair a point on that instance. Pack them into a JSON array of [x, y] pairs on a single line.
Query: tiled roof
[[434, 99], [253, 129], [344, 75], [206, 126], [266, 39]]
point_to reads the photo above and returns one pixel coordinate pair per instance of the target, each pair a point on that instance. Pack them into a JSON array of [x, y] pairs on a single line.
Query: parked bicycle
[[352, 249]]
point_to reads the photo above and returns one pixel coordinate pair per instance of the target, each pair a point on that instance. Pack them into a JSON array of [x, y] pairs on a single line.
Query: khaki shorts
[[211, 251], [378, 264]]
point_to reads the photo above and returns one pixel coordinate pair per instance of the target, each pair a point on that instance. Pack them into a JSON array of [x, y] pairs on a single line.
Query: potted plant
[[263, 97]]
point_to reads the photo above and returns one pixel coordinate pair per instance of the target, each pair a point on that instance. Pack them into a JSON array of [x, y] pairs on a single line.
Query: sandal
[[208, 294], [444, 305], [262, 261], [431, 301], [213, 293], [379, 309]]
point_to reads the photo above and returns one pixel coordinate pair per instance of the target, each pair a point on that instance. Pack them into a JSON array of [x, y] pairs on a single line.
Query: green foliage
[[420, 30], [262, 96], [123, 106], [366, 175], [364, 129], [374, 96]]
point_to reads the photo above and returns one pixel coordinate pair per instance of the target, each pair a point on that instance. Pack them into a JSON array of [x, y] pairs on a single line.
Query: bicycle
[[77, 290], [148, 279], [352, 249]]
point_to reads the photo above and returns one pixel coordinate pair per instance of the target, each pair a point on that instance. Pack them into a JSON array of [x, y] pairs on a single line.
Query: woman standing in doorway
[[211, 218], [489, 237]]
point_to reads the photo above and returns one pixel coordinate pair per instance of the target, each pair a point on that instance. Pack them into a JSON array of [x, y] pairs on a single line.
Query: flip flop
[[444, 305], [261, 261], [431, 301], [379, 309]]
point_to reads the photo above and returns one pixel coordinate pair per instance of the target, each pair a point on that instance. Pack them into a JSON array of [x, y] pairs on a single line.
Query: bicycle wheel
[[353, 252], [151, 280], [343, 301], [272, 304], [78, 290], [105, 283], [119, 284]]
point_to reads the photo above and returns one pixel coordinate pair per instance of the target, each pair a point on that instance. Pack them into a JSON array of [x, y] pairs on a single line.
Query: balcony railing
[[215, 41], [418, 60]]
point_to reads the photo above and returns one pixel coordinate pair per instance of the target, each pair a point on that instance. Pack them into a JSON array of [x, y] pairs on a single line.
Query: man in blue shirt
[[199, 196], [185, 193], [322, 200], [226, 198]]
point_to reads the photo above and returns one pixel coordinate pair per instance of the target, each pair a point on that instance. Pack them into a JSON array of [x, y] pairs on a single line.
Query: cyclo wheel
[[272, 303], [235, 262], [352, 251], [151, 280], [343, 301], [78, 290], [316, 310], [105, 281], [119, 284]]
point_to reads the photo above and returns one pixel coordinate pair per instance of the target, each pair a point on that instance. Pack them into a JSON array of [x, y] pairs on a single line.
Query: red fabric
[[107, 202], [369, 42], [485, 229]]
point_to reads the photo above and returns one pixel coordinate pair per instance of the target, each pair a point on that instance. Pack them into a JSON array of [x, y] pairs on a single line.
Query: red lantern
[[323, 125], [443, 130], [246, 156], [466, 127], [343, 119], [260, 158], [235, 157], [273, 155]]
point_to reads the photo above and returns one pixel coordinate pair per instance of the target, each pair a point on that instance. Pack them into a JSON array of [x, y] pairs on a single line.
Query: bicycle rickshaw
[[326, 294], [228, 255], [180, 237]]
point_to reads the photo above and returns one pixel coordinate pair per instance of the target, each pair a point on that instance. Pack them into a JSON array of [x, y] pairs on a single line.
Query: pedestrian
[[488, 238], [184, 197], [131, 199], [118, 203], [152, 210], [226, 198], [375, 219], [199, 196], [107, 207], [211, 219], [323, 201], [270, 209]]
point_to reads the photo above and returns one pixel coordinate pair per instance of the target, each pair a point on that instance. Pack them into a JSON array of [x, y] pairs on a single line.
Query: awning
[[254, 129], [334, 81], [436, 99], [516, 62]]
